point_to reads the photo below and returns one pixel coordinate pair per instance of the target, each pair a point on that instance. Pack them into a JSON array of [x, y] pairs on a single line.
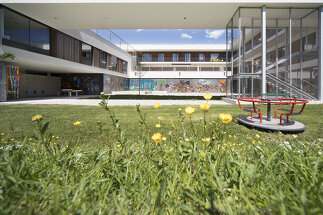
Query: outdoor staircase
[[285, 87]]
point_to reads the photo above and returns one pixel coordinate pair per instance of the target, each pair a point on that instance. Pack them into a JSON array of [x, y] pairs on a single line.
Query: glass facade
[[161, 57], [86, 54], [24, 33], [202, 57], [114, 62], [187, 57], [291, 52], [146, 57], [175, 57], [103, 60]]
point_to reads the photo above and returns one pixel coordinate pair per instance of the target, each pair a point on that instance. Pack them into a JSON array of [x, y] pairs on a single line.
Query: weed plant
[[194, 167]]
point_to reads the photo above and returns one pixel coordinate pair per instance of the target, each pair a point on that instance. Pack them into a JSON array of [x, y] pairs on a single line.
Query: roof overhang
[[142, 14]]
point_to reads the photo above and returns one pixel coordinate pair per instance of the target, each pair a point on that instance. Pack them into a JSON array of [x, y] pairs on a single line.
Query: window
[[161, 57], [23, 33], [114, 62], [103, 60], [187, 57], [175, 57], [125, 66], [86, 54], [201, 57], [146, 57], [214, 57]]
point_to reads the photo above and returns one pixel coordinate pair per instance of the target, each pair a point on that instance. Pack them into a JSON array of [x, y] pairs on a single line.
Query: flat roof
[[142, 14], [179, 47]]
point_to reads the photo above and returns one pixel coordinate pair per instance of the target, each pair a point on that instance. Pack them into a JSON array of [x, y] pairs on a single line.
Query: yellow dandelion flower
[[187, 139], [157, 105], [189, 110], [318, 147], [164, 138], [257, 135], [202, 154], [204, 139], [12, 139], [157, 137], [207, 139], [53, 136], [230, 135], [179, 109], [119, 145], [2, 134], [57, 137], [204, 106], [225, 118], [30, 139], [160, 118], [157, 126], [37, 118], [207, 96], [77, 123], [253, 142]]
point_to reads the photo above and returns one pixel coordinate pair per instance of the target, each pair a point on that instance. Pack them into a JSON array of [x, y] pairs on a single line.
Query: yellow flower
[[157, 125], [119, 145], [235, 137], [207, 96], [160, 118], [186, 139], [207, 139], [57, 137], [2, 134], [189, 110], [179, 109], [157, 105], [230, 135], [204, 106], [164, 138], [257, 135], [37, 117], [53, 136], [202, 154], [102, 93], [259, 142], [225, 118], [30, 139], [204, 139], [77, 123], [157, 137]]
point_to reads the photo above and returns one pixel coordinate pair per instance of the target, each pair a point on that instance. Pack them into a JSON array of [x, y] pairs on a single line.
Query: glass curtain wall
[[291, 52]]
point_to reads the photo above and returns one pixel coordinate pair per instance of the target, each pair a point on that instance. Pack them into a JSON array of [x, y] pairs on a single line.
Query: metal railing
[[113, 38]]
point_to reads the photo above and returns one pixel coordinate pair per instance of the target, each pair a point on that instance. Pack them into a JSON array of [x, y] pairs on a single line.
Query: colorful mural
[[179, 85], [12, 82]]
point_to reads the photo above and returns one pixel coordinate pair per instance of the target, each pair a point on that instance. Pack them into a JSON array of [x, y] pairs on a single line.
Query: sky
[[172, 36]]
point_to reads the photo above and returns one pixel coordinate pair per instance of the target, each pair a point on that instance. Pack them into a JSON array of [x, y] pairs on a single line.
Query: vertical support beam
[[3, 72], [301, 53], [231, 58], [239, 55], [244, 60], [320, 54], [252, 57], [264, 48], [290, 50], [276, 47], [226, 60]]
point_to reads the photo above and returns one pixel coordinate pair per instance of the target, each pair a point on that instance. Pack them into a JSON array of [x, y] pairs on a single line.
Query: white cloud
[[185, 36], [215, 34], [138, 30]]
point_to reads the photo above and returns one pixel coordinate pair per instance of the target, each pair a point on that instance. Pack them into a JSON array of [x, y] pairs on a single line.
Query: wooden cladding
[[65, 47]]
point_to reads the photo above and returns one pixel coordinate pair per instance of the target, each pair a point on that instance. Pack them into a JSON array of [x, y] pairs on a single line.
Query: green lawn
[[222, 169]]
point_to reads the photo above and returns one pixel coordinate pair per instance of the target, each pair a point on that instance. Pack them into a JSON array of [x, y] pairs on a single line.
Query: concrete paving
[[112, 102]]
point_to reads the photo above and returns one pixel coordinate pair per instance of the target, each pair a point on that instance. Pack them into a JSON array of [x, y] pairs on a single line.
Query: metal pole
[[320, 55], [290, 49], [252, 57], [264, 48], [239, 55], [244, 60], [276, 86], [232, 58], [226, 60], [301, 53]]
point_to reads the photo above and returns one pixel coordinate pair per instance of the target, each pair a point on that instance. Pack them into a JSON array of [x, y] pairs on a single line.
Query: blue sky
[[172, 36]]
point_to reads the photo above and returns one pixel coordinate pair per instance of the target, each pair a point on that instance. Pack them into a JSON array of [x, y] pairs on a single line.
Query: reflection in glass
[[103, 60], [86, 54], [39, 35]]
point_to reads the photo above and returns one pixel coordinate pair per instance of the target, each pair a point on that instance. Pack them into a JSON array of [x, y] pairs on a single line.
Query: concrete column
[[3, 82], [264, 49], [320, 54], [3, 72]]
